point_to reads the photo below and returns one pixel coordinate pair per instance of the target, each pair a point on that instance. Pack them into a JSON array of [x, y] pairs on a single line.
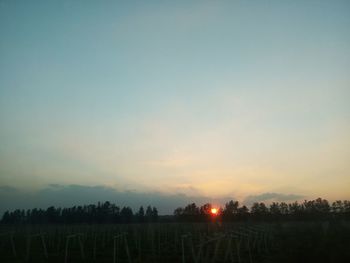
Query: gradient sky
[[206, 98]]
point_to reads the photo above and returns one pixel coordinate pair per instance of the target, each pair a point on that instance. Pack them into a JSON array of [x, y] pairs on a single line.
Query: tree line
[[102, 213], [232, 211], [108, 213]]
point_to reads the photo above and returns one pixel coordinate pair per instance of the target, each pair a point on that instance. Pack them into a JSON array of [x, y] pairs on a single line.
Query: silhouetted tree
[[319, 207], [275, 210], [346, 207], [149, 213], [230, 211], [140, 215], [178, 213], [154, 214], [337, 207], [205, 211], [191, 212], [6, 218], [243, 213], [259, 210], [126, 215], [296, 210]]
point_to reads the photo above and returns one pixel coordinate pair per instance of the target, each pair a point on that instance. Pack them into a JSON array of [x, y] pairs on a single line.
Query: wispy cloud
[[269, 197]]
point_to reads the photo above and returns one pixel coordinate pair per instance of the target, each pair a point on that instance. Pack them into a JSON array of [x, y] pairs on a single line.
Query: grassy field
[[178, 242]]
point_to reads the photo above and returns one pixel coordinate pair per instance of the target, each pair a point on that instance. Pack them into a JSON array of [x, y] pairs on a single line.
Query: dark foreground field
[[178, 242]]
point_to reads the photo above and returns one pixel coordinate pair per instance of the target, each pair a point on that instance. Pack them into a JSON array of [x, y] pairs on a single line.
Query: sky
[[200, 99]]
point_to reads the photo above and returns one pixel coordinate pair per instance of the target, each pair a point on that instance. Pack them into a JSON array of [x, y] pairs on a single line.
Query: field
[[178, 242]]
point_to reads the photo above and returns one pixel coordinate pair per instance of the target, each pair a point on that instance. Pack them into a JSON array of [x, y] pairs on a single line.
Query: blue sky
[[214, 98]]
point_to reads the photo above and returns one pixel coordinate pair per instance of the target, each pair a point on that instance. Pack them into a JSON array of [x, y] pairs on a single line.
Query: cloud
[[7, 189], [70, 195], [270, 197]]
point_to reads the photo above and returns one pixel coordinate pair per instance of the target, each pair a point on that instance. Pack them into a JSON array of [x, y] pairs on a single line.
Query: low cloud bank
[[71, 195], [272, 197]]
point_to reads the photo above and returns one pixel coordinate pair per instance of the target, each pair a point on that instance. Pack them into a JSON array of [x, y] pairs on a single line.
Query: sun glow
[[214, 211]]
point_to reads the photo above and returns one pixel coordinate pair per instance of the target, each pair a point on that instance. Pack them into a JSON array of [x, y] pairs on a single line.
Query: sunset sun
[[214, 211]]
